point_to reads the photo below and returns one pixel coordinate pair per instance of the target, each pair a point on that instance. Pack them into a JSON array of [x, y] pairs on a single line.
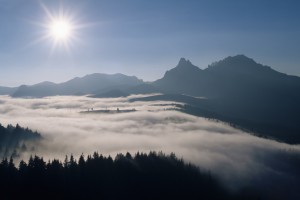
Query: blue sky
[[145, 38]]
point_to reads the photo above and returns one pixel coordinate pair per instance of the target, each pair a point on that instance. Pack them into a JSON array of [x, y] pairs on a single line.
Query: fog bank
[[239, 159]]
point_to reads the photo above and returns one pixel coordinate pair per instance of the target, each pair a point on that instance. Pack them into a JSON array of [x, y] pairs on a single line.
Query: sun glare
[[60, 29]]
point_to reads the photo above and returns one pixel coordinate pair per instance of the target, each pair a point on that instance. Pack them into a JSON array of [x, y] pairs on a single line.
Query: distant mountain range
[[236, 76], [7, 90], [89, 84], [237, 88]]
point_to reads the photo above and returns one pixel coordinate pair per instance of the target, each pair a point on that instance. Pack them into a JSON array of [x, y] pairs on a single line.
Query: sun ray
[[38, 40], [46, 10], [59, 27], [67, 48], [53, 47]]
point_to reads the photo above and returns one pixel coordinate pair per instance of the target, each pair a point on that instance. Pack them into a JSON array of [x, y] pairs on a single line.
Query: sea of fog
[[237, 158]]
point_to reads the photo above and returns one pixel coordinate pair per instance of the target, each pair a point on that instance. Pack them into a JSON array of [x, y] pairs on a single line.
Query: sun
[[60, 29]]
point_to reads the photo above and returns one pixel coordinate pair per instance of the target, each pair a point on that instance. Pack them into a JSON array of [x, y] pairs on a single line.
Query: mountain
[[237, 90], [111, 94], [38, 90], [262, 99], [89, 84], [7, 90], [220, 79], [185, 78], [145, 88]]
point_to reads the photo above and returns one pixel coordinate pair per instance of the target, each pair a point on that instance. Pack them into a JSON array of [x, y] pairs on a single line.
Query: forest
[[14, 139], [142, 176]]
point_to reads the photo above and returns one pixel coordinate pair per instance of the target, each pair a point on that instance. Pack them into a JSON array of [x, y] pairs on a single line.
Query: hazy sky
[[144, 38]]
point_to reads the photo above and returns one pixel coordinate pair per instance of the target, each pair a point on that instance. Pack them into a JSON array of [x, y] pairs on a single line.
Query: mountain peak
[[45, 83], [240, 59], [185, 66], [238, 63], [183, 69], [184, 63]]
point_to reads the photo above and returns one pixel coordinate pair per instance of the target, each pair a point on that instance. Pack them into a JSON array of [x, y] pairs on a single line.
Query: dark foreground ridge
[[144, 176]]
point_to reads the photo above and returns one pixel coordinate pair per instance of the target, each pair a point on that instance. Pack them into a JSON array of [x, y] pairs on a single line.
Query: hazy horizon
[[161, 76]]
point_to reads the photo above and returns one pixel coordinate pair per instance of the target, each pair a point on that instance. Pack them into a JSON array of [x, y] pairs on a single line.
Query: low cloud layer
[[239, 159]]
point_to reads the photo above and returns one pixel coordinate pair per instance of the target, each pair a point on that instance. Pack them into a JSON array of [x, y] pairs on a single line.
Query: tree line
[[14, 138], [142, 176]]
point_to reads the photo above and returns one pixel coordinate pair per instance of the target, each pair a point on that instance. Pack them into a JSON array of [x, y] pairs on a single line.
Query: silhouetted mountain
[[239, 88], [111, 94], [175, 97], [145, 88], [7, 90], [88, 84], [254, 96], [37, 90], [185, 78], [232, 76]]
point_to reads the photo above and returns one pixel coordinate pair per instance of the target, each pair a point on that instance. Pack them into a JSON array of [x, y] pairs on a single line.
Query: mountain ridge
[[87, 84], [185, 78], [183, 66], [254, 95], [242, 91]]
